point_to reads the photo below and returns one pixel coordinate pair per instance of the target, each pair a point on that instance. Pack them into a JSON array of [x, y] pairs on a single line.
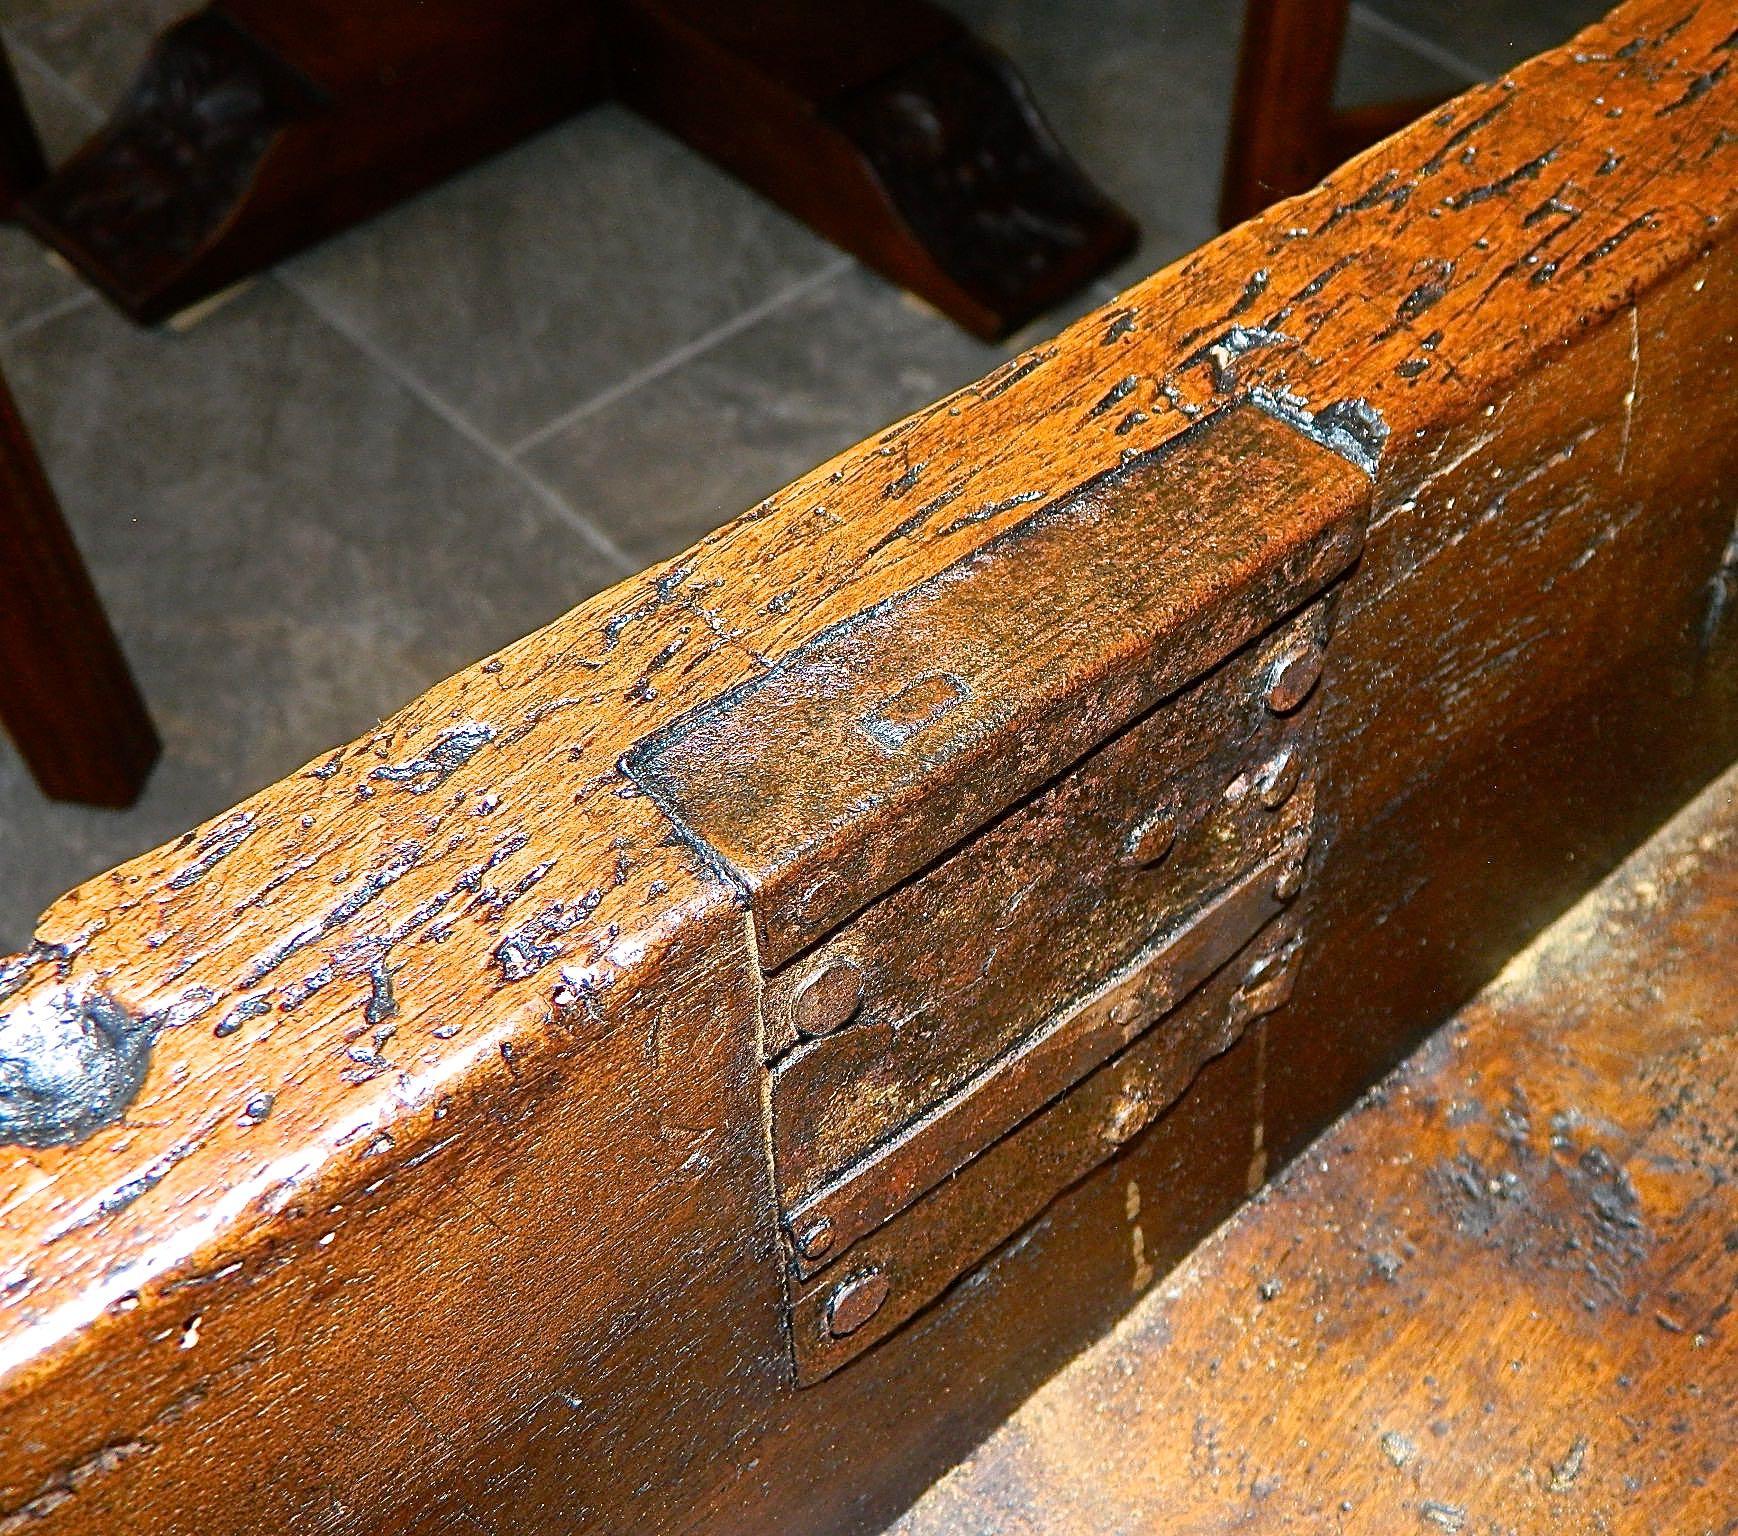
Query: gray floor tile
[[23, 13], [63, 119], [560, 269], [290, 545], [31, 282], [1140, 92], [1377, 65], [1493, 35], [670, 463], [96, 48]]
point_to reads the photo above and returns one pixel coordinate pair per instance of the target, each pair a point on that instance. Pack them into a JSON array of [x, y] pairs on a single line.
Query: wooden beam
[[443, 1195]]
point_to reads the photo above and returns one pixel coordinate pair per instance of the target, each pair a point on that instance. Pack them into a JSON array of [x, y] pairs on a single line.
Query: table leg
[[66, 696], [1285, 133], [1283, 105]]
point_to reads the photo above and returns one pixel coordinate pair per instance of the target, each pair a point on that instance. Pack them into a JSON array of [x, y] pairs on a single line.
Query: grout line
[[587, 528], [1426, 49], [600, 541], [72, 303], [686, 353]]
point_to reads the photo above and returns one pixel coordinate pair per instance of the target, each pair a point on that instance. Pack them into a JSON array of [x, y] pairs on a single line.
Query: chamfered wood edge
[[492, 810]]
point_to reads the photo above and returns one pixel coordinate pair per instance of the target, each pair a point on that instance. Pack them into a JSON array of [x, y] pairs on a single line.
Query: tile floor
[[441, 429]]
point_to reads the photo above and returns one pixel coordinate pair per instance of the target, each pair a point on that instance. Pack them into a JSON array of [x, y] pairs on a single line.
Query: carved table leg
[[1285, 133], [888, 128], [66, 696], [258, 128], [22, 166]]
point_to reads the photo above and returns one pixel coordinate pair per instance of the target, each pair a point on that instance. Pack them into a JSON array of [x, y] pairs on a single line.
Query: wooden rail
[[393, 1152]]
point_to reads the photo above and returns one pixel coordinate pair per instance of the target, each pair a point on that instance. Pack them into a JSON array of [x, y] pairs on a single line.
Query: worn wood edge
[[168, 935]]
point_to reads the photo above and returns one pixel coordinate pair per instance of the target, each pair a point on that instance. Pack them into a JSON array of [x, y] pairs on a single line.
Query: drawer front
[[1020, 848]]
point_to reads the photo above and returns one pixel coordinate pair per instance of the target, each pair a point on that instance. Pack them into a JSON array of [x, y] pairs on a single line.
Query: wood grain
[[446, 1200], [1494, 1297]]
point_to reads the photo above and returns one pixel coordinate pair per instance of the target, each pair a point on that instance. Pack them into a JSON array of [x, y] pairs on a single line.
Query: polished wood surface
[[1493, 1297], [444, 1198], [67, 699]]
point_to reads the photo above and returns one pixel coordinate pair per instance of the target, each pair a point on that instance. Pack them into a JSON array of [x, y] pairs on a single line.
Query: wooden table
[[686, 1072]]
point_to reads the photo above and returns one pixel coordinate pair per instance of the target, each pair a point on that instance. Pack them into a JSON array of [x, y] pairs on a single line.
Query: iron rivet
[[1290, 881], [1278, 777], [828, 997], [855, 1302], [815, 1239], [1125, 1119], [1151, 839], [1267, 985], [1293, 676]]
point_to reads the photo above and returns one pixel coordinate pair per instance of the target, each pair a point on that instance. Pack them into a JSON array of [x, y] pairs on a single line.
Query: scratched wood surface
[[444, 1200], [1495, 1297]]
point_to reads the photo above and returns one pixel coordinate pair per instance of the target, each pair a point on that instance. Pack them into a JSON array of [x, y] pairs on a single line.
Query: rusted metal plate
[[958, 968], [986, 1034], [902, 1267], [1119, 757], [1015, 1086], [875, 747]]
